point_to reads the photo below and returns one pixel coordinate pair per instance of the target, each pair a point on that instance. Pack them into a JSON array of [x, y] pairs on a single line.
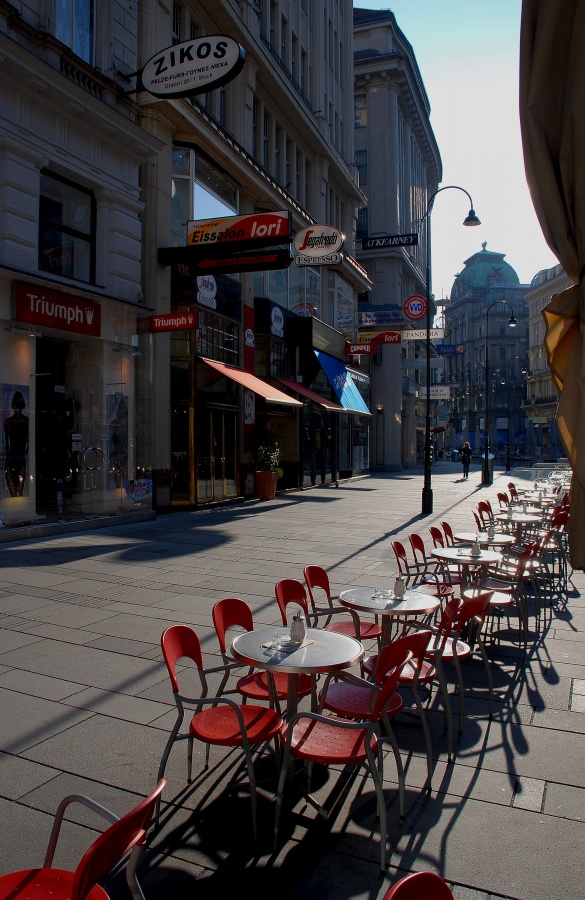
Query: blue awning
[[342, 383]]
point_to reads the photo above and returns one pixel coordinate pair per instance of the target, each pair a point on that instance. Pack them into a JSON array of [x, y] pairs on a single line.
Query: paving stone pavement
[[86, 706]]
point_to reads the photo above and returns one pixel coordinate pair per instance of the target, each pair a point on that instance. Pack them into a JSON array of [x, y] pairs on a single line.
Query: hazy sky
[[467, 52]]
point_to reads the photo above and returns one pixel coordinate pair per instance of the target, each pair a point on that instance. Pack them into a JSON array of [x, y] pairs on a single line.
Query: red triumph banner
[[178, 321], [41, 306]]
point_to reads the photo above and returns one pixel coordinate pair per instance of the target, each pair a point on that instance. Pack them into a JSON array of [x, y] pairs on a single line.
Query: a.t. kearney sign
[[192, 67], [41, 306], [389, 240]]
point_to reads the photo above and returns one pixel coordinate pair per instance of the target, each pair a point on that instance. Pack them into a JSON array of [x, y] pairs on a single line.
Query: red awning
[[272, 394], [312, 395]]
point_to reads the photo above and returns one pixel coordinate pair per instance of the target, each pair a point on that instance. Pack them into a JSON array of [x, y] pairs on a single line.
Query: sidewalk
[[86, 706]]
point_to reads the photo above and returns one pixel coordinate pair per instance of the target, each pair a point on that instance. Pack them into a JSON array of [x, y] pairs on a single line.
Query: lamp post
[[487, 474], [470, 220], [505, 380]]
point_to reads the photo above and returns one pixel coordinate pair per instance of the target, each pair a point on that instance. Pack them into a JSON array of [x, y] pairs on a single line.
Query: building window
[[74, 26], [283, 38], [361, 161], [67, 217], [287, 157], [361, 111], [362, 224], [303, 71], [176, 24], [198, 191], [266, 141], [277, 145]]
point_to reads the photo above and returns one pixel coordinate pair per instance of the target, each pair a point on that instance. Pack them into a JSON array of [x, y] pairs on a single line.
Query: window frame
[[90, 237]]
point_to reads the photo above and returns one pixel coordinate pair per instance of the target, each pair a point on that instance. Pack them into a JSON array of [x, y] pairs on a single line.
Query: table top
[[498, 540], [322, 651], [414, 603], [523, 518], [463, 556]]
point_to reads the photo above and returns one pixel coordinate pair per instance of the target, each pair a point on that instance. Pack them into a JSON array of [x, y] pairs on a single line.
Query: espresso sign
[[42, 306], [193, 67]]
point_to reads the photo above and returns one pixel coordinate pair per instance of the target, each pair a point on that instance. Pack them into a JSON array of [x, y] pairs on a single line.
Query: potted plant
[[268, 471]]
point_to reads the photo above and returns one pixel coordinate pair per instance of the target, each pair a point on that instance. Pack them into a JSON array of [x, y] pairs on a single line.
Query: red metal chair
[[352, 698], [289, 591], [470, 619], [420, 886], [513, 492], [225, 724], [417, 672], [256, 685], [503, 500], [448, 532], [432, 571], [318, 580], [485, 516], [125, 836], [437, 536], [333, 741], [410, 572], [478, 523]]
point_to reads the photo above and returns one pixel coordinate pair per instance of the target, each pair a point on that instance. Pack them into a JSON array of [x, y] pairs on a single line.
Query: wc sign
[[415, 307]]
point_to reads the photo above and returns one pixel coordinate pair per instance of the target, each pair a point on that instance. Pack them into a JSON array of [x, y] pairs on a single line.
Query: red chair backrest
[[418, 547], [483, 512], [488, 505], [420, 886], [477, 607], [513, 491], [177, 642], [413, 644], [437, 536], [559, 519], [448, 617], [288, 591], [228, 612], [401, 558], [317, 577], [503, 499], [389, 683], [113, 845], [448, 533], [477, 521]]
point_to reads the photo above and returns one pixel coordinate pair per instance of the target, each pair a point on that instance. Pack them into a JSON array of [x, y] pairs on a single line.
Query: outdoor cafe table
[[498, 540], [461, 556], [321, 651], [518, 520], [413, 604]]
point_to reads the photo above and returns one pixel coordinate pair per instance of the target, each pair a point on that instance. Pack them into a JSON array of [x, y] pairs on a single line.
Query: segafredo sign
[[193, 67], [318, 240]]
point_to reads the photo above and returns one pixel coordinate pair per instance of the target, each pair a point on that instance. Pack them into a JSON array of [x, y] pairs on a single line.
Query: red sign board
[[41, 306], [241, 232], [179, 321], [415, 307], [385, 337], [258, 261]]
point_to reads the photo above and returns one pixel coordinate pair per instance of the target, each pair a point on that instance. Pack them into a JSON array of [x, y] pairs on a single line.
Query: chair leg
[[457, 665], [399, 766], [446, 705], [488, 669], [378, 785], [427, 736], [253, 795], [280, 791]]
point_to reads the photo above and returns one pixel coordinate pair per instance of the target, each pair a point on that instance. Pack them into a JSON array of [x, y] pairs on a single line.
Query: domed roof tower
[[482, 271]]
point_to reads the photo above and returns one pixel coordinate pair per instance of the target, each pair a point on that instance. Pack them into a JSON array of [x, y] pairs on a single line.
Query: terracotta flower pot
[[266, 484]]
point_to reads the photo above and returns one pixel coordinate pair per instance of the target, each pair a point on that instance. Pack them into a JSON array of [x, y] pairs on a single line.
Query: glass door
[[216, 448]]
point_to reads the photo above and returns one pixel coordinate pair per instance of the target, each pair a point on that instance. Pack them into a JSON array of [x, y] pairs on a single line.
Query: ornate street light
[[488, 477], [470, 220]]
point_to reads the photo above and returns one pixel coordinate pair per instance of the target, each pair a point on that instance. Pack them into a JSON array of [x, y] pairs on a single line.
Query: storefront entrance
[[216, 460]]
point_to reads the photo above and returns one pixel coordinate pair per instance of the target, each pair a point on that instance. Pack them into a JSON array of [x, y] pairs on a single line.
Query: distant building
[[476, 319], [400, 167], [541, 396]]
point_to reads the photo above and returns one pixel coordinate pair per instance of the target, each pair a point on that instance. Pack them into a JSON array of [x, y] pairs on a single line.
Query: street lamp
[[470, 220], [487, 474], [505, 381]]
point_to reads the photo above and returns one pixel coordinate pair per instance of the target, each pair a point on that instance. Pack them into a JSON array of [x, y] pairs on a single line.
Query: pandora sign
[[41, 306]]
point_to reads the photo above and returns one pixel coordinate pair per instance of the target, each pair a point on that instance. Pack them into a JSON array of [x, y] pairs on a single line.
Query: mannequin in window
[[16, 445]]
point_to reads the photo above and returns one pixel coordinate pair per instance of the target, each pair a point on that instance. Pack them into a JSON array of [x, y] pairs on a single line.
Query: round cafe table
[[461, 556], [498, 540], [321, 651], [413, 604]]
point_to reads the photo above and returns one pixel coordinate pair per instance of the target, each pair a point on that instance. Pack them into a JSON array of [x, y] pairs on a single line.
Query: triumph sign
[[41, 306], [192, 67]]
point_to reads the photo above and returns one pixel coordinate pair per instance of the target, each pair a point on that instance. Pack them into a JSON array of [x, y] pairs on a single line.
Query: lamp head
[[471, 219], [512, 321]]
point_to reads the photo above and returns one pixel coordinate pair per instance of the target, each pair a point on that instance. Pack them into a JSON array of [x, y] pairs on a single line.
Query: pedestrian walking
[[466, 459]]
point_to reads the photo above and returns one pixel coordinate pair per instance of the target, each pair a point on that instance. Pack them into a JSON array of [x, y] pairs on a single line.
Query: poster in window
[[15, 424], [118, 439]]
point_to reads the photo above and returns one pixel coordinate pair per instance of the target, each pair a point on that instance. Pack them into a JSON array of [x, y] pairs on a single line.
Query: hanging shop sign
[[235, 233], [438, 392], [42, 306], [179, 321], [252, 261], [389, 240], [415, 306], [330, 259], [192, 67], [318, 240], [420, 334], [447, 349], [385, 337]]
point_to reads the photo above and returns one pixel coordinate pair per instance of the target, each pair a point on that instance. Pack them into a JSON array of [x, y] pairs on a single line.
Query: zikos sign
[[41, 306], [192, 67]]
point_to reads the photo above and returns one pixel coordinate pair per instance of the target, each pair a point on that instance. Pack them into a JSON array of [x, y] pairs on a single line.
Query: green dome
[[484, 270]]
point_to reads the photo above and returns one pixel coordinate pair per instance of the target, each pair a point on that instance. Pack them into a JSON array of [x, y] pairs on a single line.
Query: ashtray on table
[[384, 594]]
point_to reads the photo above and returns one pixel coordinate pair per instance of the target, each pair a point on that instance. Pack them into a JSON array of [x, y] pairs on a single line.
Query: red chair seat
[[255, 686], [39, 884], [219, 725], [320, 742], [367, 629], [355, 702], [463, 649], [407, 676]]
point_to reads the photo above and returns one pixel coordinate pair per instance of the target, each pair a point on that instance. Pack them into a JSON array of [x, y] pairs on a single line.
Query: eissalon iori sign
[[193, 67]]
